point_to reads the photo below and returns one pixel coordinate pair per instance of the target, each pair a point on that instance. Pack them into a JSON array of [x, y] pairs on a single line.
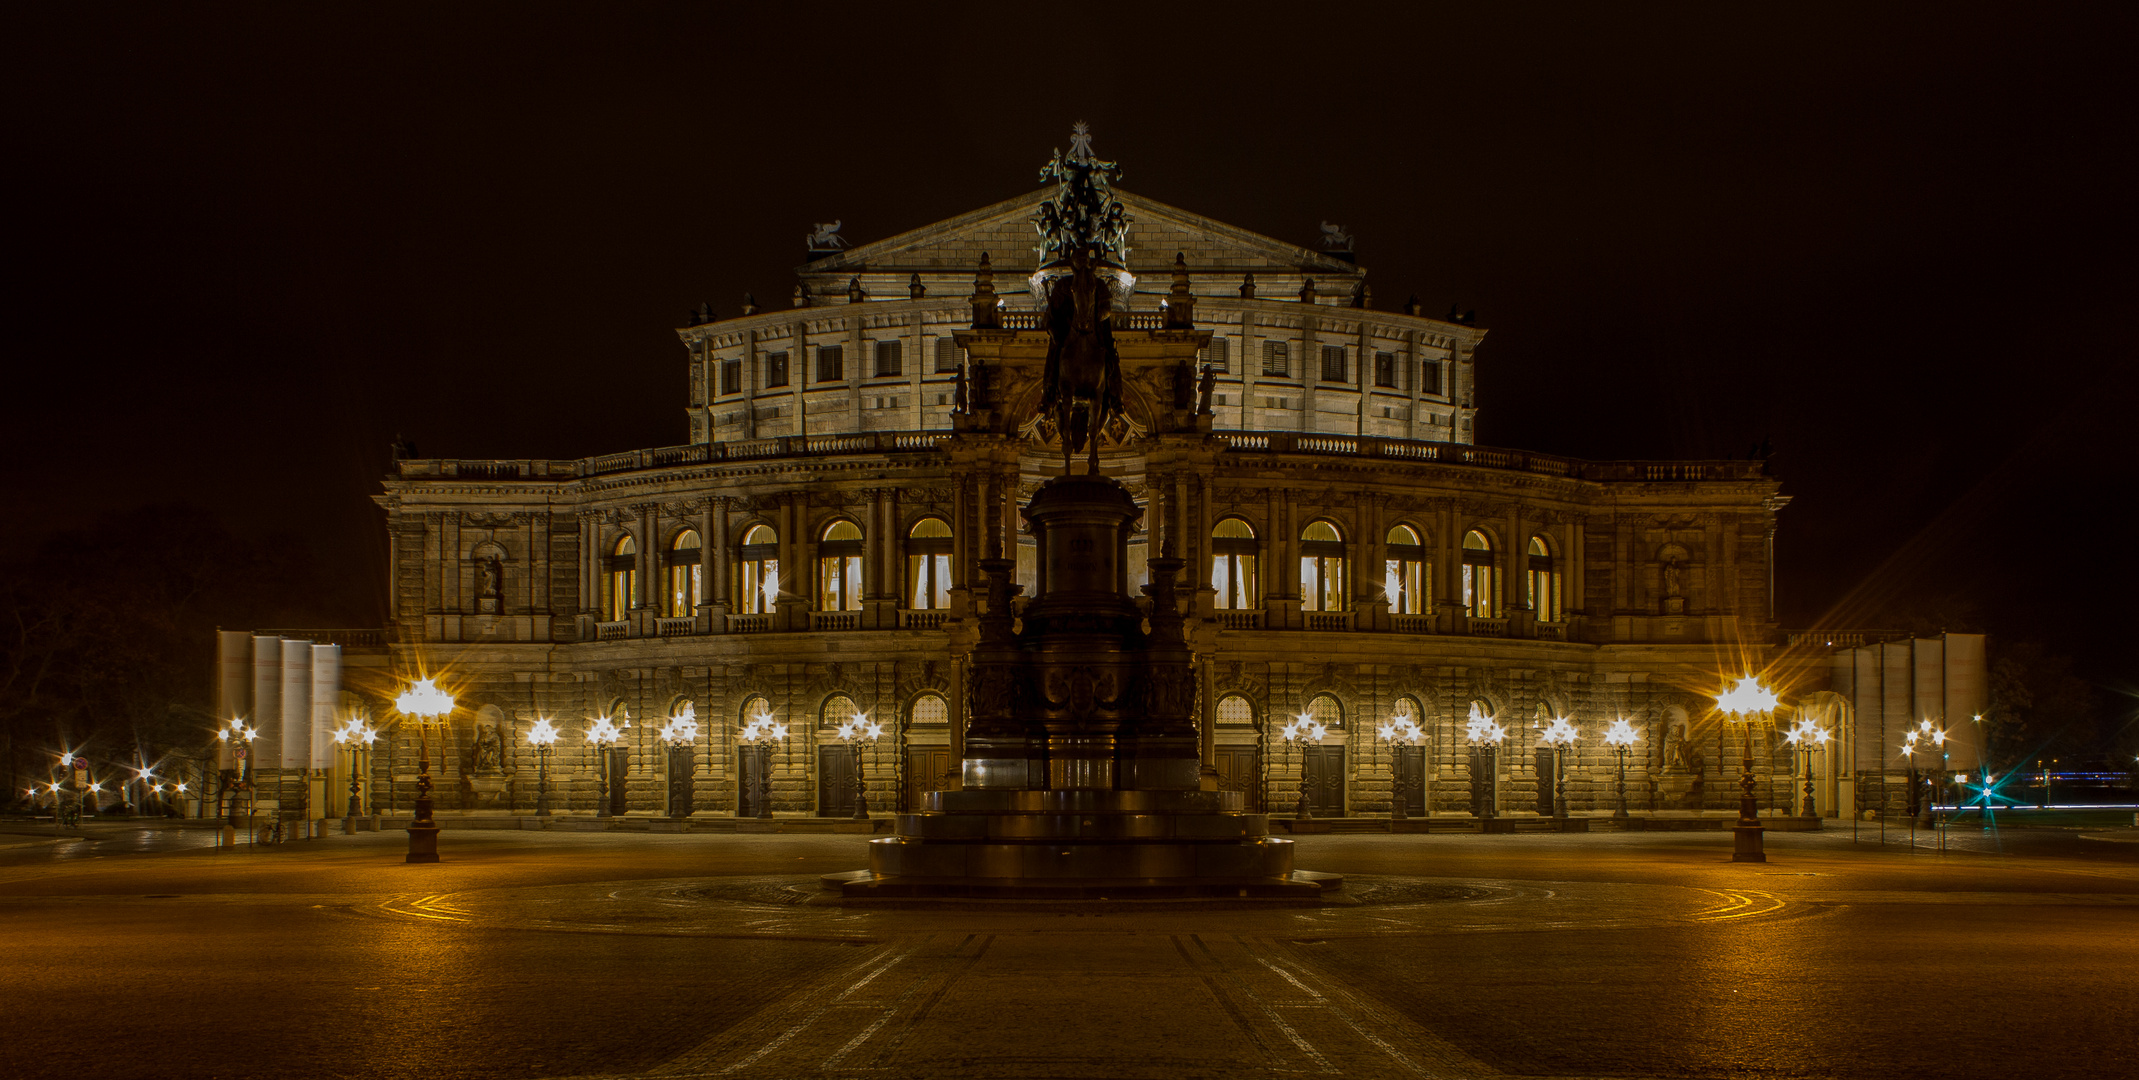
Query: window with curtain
[[1479, 586], [683, 593], [1544, 582], [759, 570], [623, 577], [1233, 564], [1321, 568], [1404, 572], [839, 568], [928, 565]]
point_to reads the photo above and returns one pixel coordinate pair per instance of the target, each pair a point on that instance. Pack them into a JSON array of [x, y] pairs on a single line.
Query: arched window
[[755, 708], [838, 709], [1544, 582], [1405, 572], [760, 570], [1327, 711], [1233, 555], [1407, 708], [839, 568], [1321, 568], [929, 709], [684, 592], [623, 577], [1235, 709], [928, 564], [1479, 587]]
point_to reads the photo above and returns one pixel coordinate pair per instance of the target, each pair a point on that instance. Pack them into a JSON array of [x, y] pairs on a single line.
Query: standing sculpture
[[1084, 232]]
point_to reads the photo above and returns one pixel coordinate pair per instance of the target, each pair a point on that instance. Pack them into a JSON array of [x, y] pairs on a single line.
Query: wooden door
[[681, 762], [1325, 779], [1410, 768], [928, 768], [835, 781], [1240, 769], [753, 762], [619, 764]]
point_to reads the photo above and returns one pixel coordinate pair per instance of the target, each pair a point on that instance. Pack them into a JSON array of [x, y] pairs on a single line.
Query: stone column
[[792, 608], [716, 563], [649, 561]]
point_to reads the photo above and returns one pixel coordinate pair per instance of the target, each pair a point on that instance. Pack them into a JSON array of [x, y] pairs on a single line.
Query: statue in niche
[[1204, 389], [489, 750], [488, 576], [1673, 558]]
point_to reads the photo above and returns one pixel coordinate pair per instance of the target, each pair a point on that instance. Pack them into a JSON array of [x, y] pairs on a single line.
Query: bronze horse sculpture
[[1084, 384]]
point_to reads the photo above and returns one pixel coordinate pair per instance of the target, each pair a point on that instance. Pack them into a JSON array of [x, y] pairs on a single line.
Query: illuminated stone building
[[810, 553]]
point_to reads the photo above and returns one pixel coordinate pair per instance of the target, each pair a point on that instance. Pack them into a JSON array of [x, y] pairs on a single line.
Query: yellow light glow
[[543, 733], [1560, 733], [681, 729], [1481, 730], [1621, 733], [1746, 698], [603, 732], [424, 700]]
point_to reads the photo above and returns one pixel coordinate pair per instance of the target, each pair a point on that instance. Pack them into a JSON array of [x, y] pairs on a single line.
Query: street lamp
[[1923, 805], [1308, 731], [1559, 735], [238, 732], [1400, 733], [356, 736], [604, 734], [543, 737], [427, 705], [681, 734], [1807, 736], [1742, 704], [1621, 737], [855, 732], [759, 735], [1484, 737]]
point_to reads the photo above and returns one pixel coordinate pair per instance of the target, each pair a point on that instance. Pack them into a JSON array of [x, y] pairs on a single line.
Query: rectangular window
[[946, 356], [1218, 354], [1430, 377], [1333, 364], [1385, 369], [775, 369], [1277, 359], [731, 376], [831, 363], [890, 359]]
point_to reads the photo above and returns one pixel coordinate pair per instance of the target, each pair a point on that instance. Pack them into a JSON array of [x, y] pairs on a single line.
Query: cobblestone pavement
[[535, 955]]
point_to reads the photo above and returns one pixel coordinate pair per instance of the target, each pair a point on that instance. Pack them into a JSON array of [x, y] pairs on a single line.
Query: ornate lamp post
[[356, 736], [855, 732], [681, 734], [1807, 736], [543, 737], [1743, 704], [1621, 737], [427, 705], [1559, 735], [1306, 731], [758, 737], [1484, 737], [604, 734], [1400, 733], [238, 732]]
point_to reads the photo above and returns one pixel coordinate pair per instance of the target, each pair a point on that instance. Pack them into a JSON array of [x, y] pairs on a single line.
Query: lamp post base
[[1747, 843], [423, 843]]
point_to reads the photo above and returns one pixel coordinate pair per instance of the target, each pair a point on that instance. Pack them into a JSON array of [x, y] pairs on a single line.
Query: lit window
[[1234, 709], [760, 570], [928, 564], [683, 570], [623, 577], [1326, 710], [1544, 582], [839, 568], [929, 709], [1321, 568], [838, 709], [1233, 559], [1479, 587], [1404, 572]]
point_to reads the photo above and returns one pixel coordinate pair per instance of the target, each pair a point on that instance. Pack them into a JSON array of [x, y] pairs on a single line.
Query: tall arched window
[[838, 709], [684, 592], [760, 570], [1235, 709], [1327, 711], [1406, 708], [929, 709], [839, 568], [1321, 568], [1479, 587], [1405, 572], [1233, 555], [755, 708], [623, 577], [1544, 582], [928, 564]]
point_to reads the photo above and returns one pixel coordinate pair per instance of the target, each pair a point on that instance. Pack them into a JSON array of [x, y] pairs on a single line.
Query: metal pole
[[1747, 838], [861, 785], [1621, 814], [423, 831], [542, 781]]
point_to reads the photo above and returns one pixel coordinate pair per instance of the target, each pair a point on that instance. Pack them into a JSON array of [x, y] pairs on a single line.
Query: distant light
[[1621, 733], [1746, 698]]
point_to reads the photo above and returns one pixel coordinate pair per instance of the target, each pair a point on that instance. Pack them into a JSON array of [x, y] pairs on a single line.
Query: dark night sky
[[254, 242]]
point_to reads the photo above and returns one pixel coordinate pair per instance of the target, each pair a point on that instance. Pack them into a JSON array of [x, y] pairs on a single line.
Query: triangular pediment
[[1005, 232]]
